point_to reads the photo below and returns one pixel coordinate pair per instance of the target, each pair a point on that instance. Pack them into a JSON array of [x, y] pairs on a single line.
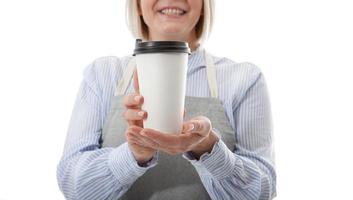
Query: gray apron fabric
[[173, 178]]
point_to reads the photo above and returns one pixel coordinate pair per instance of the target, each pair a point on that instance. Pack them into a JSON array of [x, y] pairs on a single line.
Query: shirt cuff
[[220, 163], [124, 166]]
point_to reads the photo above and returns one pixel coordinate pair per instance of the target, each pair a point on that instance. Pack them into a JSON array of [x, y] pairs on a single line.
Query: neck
[[190, 39]]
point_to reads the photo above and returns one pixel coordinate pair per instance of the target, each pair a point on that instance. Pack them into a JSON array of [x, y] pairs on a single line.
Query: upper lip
[[171, 7]]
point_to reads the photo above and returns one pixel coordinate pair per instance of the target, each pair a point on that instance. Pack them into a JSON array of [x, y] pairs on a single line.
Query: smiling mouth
[[172, 11]]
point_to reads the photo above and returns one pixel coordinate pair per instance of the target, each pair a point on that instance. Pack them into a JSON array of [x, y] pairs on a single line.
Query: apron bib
[[173, 178]]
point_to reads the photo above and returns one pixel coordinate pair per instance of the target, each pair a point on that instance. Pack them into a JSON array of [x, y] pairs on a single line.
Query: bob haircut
[[139, 29]]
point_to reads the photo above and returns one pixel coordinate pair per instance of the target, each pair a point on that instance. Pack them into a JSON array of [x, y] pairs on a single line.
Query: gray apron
[[173, 178]]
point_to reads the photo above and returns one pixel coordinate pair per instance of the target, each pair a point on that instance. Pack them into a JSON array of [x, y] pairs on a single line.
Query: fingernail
[[137, 98], [141, 113], [191, 127]]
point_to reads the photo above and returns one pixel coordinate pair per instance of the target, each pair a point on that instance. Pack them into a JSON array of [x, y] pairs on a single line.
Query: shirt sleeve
[[85, 170], [247, 173]]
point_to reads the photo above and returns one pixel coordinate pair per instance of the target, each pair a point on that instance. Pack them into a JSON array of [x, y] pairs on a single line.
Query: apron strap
[[127, 76], [211, 76]]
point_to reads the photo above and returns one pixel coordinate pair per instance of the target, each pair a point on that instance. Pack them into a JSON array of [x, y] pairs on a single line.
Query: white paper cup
[[162, 69]]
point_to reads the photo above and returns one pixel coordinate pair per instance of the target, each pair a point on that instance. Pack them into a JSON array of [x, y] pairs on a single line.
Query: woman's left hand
[[197, 137]]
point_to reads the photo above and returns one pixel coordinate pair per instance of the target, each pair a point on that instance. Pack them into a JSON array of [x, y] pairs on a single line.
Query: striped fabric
[[87, 171]]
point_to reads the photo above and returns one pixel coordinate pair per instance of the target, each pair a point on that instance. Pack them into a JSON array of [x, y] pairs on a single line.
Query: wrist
[[143, 162], [205, 146], [142, 158]]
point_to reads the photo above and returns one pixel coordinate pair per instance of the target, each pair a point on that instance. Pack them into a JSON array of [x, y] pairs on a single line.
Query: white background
[[304, 48]]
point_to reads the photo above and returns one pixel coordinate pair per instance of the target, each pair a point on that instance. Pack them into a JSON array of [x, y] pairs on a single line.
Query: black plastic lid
[[161, 47]]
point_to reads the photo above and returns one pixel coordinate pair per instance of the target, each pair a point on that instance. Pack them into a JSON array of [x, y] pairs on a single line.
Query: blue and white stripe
[[87, 171]]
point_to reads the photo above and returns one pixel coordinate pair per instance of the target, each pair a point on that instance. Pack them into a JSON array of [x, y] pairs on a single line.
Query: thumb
[[201, 126], [192, 126]]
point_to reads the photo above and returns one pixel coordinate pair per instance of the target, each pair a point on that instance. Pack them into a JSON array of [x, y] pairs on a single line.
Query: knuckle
[[131, 114], [129, 100], [135, 113]]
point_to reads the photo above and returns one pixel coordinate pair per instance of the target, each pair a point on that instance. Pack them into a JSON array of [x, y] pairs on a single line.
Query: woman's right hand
[[134, 116]]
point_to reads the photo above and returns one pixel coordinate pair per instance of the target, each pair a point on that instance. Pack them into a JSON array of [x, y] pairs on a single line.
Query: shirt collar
[[196, 58]]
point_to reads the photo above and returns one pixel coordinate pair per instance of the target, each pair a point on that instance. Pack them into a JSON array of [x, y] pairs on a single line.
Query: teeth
[[170, 11]]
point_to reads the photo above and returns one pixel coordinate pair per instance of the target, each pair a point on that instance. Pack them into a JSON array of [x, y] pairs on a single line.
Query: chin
[[172, 31]]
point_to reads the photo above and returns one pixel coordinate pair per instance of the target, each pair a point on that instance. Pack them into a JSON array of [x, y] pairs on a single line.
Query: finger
[[134, 114], [148, 143], [170, 141], [189, 140], [176, 143], [145, 141], [135, 141], [134, 129], [191, 126], [200, 126], [129, 132], [132, 135], [163, 139], [133, 101], [138, 123], [136, 82], [131, 138]]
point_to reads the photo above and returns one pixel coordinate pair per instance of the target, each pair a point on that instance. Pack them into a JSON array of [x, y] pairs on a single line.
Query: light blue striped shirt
[[87, 171]]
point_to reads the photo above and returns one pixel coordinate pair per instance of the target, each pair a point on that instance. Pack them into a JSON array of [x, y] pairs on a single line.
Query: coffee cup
[[162, 69]]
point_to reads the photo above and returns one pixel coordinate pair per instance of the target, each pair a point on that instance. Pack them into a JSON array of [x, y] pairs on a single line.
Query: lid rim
[[161, 47]]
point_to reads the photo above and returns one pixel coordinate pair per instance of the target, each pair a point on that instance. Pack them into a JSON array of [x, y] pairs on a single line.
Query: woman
[[225, 150]]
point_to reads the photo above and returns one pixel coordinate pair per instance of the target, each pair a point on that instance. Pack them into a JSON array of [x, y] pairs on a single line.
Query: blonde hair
[[139, 29]]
